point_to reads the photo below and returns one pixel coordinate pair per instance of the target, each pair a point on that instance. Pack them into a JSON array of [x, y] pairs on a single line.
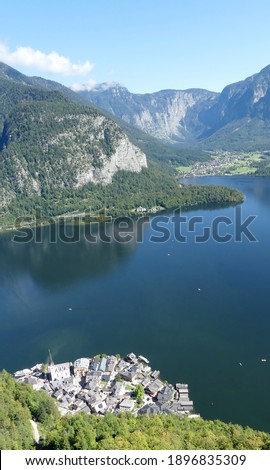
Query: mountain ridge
[[161, 114], [195, 115], [49, 141], [64, 156], [14, 76]]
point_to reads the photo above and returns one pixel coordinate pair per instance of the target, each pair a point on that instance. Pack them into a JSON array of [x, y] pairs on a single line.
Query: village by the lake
[[109, 384]]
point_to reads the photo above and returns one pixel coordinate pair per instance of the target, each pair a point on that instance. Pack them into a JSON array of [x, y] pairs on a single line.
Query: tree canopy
[[19, 403]]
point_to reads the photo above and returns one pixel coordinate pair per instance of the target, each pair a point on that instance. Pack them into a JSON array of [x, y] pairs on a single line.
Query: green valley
[[228, 163]]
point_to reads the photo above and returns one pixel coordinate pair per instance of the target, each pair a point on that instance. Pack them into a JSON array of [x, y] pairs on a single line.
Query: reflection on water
[[56, 265], [196, 310]]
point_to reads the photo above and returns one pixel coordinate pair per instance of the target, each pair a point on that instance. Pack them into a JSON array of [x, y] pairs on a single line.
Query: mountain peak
[[108, 86]]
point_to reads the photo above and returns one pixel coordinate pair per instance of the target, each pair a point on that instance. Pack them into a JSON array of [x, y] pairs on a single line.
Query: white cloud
[[89, 85], [92, 85], [52, 62], [107, 85]]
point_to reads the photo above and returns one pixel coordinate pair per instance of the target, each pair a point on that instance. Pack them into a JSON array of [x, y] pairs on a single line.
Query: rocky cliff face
[[237, 118], [126, 156], [165, 117], [50, 143], [57, 145], [162, 114], [247, 99]]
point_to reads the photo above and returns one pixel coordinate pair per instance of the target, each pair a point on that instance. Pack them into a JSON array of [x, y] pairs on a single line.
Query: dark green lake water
[[144, 298]]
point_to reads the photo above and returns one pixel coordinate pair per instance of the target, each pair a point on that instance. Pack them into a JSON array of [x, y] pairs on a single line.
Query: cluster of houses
[[108, 384], [220, 164]]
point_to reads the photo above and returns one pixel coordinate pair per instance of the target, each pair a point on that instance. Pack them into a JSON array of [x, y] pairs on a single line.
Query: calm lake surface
[[196, 310]]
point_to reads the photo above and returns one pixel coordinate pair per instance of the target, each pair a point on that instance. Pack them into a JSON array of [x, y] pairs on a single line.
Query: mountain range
[[238, 118], [63, 154]]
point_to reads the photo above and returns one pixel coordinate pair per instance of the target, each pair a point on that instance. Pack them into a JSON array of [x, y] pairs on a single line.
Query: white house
[[60, 371]]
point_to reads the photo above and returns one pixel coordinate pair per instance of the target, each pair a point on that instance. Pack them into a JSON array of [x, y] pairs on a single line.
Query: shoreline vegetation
[[151, 190], [45, 149], [21, 406]]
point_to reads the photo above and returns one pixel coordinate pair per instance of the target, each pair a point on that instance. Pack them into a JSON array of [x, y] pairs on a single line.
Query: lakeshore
[[120, 297], [224, 163], [109, 384]]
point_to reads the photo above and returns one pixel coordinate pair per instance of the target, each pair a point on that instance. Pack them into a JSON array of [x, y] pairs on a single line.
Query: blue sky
[[145, 45]]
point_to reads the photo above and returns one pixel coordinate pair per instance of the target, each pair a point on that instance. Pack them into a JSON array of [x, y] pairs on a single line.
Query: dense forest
[[19, 403], [150, 188], [50, 166], [263, 167], [47, 138]]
